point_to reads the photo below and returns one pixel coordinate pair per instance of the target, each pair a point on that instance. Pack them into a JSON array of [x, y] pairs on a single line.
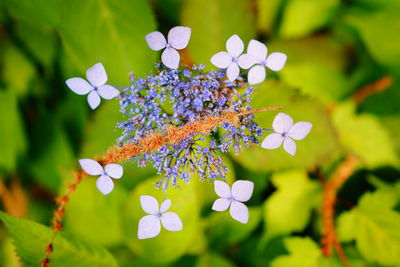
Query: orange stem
[[369, 89], [331, 188], [151, 142]]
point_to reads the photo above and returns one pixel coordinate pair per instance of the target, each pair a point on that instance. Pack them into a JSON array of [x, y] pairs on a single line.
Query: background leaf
[[224, 18], [105, 31], [69, 252], [373, 224], [289, 208], [12, 135]]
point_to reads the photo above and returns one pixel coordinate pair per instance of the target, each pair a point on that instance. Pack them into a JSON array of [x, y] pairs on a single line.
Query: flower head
[[178, 38], [286, 131], [193, 95], [241, 192], [150, 225], [104, 183], [232, 59], [97, 88], [258, 51]]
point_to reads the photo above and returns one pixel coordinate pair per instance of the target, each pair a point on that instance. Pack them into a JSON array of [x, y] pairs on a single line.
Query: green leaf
[[213, 22], [310, 152], [289, 208], [12, 135], [30, 239], [7, 253], [390, 191], [52, 156], [303, 252], [167, 245], [42, 13], [42, 44], [268, 11], [223, 230], [378, 24], [17, 70], [101, 132], [316, 65], [374, 225], [364, 135], [212, 259], [101, 215], [302, 17], [111, 32]]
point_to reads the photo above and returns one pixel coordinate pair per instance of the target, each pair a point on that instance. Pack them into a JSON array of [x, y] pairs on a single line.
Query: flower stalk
[[119, 154]]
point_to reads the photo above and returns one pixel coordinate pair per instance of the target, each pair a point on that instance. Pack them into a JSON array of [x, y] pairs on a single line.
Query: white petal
[[149, 204], [165, 205], [239, 212], [289, 145], [234, 45], [105, 184], [221, 59], [272, 141], [97, 75], [221, 204], [171, 221], [276, 61], [91, 167], [79, 86], [170, 58], [149, 226], [242, 190], [282, 123], [245, 61], [114, 170], [257, 49], [256, 74], [300, 130], [156, 40], [107, 91], [232, 72], [178, 37], [222, 189], [93, 99]]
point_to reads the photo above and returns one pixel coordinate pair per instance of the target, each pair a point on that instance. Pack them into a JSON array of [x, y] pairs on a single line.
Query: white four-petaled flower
[[232, 59], [178, 38], [286, 131], [241, 192], [104, 183], [150, 225], [97, 77], [275, 61]]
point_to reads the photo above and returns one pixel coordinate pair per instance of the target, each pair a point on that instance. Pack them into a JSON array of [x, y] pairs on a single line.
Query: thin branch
[[331, 188], [369, 89], [151, 142]]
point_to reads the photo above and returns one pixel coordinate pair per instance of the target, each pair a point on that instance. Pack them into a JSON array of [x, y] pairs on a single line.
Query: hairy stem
[[331, 188], [153, 141]]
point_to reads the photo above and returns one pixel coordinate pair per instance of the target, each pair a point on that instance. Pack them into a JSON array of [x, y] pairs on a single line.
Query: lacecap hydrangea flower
[[104, 182], [150, 225], [285, 132], [174, 97], [97, 88], [232, 199]]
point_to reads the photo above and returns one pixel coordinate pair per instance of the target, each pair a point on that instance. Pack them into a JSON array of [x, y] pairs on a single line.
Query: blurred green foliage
[[334, 49]]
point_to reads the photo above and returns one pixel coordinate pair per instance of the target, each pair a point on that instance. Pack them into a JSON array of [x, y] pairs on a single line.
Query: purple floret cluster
[[174, 97]]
